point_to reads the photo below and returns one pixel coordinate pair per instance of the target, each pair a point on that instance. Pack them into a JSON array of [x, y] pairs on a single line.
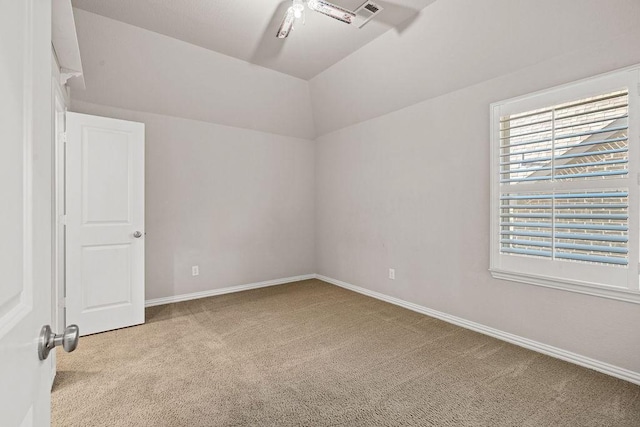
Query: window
[[565, 187]]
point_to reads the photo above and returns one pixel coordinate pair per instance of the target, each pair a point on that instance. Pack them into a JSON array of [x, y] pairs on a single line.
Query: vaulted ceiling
[[245, 29]]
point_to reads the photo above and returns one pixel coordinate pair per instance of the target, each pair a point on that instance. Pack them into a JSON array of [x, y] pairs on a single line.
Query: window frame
[[571, 276]]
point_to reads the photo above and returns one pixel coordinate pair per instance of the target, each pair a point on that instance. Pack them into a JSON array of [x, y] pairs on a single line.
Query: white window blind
[[565, 185], [585, 139]]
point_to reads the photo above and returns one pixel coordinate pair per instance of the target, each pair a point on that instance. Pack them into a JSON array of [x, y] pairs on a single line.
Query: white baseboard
[[587, 362], [228, 290]]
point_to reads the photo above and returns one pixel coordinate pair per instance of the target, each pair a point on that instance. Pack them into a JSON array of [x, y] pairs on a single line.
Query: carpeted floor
[[312, 354]]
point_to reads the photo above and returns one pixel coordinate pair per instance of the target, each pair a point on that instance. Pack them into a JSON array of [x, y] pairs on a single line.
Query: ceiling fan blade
[[269, 47], [331, 10], [287, 24]]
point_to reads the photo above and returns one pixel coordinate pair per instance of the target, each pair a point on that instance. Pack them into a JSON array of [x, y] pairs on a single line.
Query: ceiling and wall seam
[[86, 104]]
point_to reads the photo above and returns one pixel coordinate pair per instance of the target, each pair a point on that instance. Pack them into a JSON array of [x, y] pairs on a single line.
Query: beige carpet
[[312, 354]]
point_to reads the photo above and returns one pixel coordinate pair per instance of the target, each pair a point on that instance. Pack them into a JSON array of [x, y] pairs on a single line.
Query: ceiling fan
[[359, 17]]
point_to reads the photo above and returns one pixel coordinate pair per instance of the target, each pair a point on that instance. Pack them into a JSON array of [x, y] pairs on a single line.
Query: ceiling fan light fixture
[[298, 8], [287, 24]]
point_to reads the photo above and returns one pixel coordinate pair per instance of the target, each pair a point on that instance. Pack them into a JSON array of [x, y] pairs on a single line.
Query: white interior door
[[104, 223], [26, 212]]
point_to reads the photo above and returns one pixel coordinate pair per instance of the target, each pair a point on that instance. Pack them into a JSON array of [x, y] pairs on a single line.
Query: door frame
[[60, 103]]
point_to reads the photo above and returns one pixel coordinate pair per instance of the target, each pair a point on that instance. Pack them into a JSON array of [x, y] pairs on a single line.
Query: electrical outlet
[[195, 270], [392, 273]]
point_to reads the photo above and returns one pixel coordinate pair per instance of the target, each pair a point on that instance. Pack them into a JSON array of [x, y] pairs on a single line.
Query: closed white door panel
[[105, 213]]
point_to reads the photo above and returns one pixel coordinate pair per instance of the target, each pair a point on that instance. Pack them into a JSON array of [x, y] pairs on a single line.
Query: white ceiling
[[245, 29]]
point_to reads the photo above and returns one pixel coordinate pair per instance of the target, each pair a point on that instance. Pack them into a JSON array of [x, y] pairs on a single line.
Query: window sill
[[570, 286]]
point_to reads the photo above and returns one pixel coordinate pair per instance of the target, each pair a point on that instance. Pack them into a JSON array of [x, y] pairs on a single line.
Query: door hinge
[[63, 137], [62, 219]]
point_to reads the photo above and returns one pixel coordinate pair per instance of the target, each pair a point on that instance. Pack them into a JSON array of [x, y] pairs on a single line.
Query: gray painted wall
[[409, 189], [238, 203]]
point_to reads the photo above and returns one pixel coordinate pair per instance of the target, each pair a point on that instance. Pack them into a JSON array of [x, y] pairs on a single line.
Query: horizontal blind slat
[[615, 206], [603, 227], [567, 176], [602, 195], [567, 166], [592, 216], [567, 156], [527, 252], [568, 236], [542, 244], [592, 258]]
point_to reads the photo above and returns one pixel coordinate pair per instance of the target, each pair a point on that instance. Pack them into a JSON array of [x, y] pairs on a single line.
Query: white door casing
[[59, 111], [59, 104], [26, 212], [104, 210]]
